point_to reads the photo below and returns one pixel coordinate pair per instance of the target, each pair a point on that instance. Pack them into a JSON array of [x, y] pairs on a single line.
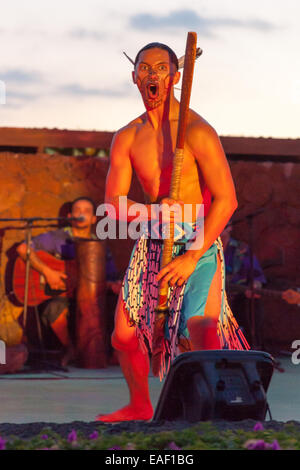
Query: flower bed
[[201, 436]]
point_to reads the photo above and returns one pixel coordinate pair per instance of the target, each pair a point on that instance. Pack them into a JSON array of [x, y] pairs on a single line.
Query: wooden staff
[[161, 311]]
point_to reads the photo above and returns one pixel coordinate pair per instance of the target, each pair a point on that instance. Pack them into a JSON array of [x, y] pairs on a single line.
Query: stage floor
[[80, 394]]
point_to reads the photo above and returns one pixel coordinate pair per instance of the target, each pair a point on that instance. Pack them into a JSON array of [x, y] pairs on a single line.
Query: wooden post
[[91, 331]]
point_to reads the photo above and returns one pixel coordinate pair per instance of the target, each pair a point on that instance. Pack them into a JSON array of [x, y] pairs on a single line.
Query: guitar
[[38, 289], [291, 296]]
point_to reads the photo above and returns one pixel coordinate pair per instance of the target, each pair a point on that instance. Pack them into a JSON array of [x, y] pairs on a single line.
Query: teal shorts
[[198, 284]]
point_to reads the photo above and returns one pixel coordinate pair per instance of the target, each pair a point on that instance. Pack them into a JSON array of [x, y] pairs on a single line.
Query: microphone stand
[[249, 218], [27, 267]]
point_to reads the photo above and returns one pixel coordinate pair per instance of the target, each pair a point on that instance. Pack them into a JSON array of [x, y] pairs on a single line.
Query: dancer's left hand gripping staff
[[177, 271]]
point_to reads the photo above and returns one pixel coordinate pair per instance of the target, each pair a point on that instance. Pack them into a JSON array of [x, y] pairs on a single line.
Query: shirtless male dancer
[[147, 146]]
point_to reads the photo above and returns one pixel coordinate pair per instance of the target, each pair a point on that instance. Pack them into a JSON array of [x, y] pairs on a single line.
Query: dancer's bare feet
[[128, 413]]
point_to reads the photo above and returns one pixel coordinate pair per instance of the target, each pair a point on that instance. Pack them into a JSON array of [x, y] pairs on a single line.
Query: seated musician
[[57, 312], [238, 274]]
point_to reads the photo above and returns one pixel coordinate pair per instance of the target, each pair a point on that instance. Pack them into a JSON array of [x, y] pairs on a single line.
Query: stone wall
[[273, 188], [39, 185]]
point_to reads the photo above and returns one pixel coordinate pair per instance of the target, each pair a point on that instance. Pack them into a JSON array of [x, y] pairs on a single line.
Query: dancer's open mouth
[[152, 90]]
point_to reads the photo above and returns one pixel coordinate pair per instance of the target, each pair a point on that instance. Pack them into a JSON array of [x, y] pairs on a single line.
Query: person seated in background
[[238, 279], [57, 312]]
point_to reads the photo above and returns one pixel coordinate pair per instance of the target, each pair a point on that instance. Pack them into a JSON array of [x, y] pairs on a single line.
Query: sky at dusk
[[62, 62]]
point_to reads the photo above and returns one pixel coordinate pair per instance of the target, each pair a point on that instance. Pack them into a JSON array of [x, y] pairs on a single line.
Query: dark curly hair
[[158, 45], [84, 198]]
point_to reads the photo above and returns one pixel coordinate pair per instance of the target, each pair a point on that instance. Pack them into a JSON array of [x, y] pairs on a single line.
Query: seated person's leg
[[56, 315], [240, 308]]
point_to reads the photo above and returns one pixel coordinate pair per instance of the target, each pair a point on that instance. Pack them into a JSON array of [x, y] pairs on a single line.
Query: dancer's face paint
[[154, 75]]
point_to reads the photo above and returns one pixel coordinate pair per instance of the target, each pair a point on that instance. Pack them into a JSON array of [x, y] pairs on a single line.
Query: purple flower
[[115, 448], [2, 443], [256, 444], [260, 444], [258, 427], [94, 435], [275, 445], [173, 446], [44, 437], [72, 437]]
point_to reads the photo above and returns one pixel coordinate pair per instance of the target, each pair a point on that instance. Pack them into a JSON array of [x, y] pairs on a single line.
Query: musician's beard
[[83, 226]]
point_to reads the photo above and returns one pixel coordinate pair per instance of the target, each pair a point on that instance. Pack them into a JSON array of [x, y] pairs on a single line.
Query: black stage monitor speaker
[[220, 384]]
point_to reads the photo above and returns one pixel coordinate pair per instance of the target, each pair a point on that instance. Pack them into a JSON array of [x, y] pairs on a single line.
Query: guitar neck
[[265, 292]]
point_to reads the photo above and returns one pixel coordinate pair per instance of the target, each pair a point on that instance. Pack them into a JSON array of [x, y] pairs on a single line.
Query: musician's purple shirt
[[60, 243], [238, 263]]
